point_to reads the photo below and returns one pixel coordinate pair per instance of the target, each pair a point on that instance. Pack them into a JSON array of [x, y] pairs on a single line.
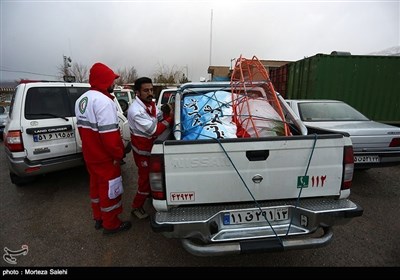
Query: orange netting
[[256, 108]]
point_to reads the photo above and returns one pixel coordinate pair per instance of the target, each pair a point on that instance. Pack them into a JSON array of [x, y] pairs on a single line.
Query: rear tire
[[362, 169], [20, 181]]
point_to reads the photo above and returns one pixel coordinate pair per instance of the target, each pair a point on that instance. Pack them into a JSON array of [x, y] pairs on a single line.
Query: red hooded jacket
[[97, 118]]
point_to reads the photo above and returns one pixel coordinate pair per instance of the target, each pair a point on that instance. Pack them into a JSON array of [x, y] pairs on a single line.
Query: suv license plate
[[358, 159], [52, 136], [254, 216]]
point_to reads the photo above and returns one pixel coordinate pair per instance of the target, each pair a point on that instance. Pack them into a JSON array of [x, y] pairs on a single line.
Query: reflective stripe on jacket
[[97, 122], [144, 127]]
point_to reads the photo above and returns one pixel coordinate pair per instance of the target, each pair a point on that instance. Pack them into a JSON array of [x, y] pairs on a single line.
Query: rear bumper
[[386, 159], [203, 231], [19, 166], [258, 245]]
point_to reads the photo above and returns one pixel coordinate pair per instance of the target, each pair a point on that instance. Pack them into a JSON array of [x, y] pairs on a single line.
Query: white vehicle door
[[48, 121]]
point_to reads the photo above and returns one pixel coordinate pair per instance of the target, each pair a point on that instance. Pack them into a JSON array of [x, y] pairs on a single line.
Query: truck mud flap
[[160, 227]]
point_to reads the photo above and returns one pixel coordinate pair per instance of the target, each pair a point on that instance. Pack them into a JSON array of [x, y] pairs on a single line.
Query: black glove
[[166, 108]]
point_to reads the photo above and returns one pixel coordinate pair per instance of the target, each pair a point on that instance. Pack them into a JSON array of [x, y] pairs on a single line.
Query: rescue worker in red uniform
[[102, 148], [146, 122]]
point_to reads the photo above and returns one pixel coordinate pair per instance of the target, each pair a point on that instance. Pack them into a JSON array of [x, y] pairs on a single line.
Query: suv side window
[[50, 102]]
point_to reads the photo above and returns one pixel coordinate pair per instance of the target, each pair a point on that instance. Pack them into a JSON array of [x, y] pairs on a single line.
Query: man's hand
[[171, 108], [168, 109]]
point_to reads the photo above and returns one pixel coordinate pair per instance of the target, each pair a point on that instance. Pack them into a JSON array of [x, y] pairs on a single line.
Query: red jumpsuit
[[102, 146], [146, 123]]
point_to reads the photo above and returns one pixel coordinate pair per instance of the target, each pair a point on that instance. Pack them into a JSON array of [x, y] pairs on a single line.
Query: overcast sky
[[184, 35]]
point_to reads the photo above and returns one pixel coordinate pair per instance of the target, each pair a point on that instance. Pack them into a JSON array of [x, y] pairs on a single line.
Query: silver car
[[375, 144], [3, 118]]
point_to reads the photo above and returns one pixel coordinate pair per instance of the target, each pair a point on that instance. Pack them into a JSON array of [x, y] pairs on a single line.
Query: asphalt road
[[52, 216]]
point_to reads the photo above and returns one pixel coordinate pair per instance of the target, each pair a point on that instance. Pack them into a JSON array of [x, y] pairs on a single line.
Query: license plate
[[52, 136], [254, 216], [358, 159]]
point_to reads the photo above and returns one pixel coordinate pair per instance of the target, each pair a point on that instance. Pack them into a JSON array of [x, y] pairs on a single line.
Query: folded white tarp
[[259, 118]]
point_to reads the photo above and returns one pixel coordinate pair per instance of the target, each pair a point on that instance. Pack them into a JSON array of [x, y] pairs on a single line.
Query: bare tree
[[167, 75], [126, 76], [183, 79], [61, 71], [80, 72]]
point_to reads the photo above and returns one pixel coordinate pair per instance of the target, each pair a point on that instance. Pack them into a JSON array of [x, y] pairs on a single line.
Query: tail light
[[348, 167], [13, 141], [157, 179], [395, 142]]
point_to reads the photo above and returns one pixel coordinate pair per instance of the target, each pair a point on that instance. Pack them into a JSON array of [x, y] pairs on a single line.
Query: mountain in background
[[8, 84], [393, 51]]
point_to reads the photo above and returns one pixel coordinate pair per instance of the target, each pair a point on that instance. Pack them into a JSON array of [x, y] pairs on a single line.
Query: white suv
[[41, 135], [125, 98]]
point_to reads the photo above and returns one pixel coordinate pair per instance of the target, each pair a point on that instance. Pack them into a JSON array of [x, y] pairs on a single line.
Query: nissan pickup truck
[[233, 195]]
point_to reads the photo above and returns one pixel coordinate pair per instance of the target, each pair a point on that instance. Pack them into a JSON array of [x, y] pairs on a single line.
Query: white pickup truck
[[240, 195]]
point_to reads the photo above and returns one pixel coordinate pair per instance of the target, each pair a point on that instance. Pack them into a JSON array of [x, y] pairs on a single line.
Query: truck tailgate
[[233, 170]]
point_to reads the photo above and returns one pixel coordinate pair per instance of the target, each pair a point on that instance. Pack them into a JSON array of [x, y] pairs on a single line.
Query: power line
[[27, 72]]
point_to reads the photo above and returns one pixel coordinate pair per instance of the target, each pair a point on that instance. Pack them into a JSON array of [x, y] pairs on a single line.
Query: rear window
[[329, 111], [166, 96], [121, 94], [51, 102], [124, 95]]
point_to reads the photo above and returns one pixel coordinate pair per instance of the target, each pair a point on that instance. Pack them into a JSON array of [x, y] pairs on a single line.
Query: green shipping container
[[371, 84]]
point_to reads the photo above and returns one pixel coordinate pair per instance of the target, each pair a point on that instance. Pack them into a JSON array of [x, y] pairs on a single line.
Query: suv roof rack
[[27, 81], [68, 79]]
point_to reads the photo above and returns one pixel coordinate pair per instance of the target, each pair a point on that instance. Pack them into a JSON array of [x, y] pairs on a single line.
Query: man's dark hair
[[140, 81]]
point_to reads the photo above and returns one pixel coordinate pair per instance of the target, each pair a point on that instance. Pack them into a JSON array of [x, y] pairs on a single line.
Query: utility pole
[[209, 64], [232, 59], [67, 64], [187, 71]]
